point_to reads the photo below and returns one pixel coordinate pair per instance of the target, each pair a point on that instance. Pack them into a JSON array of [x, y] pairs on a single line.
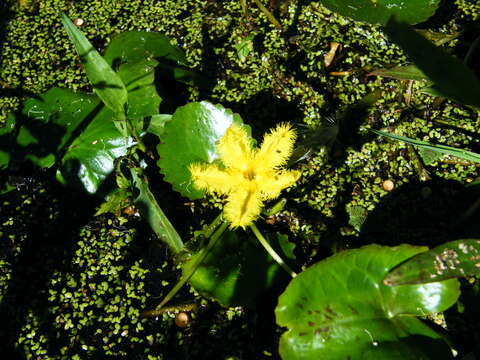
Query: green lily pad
[[191, 137], [237, 270], [457, 258], [340, 309], [379, 11], [133, 46], [90, 158]]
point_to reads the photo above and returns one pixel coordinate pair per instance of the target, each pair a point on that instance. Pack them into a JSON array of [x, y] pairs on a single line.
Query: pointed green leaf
[[106, 83], [447, 150], [379, 11], [407, 72], [452, 78], [153, 214], [191, 137], [340, 309], [458, 258]]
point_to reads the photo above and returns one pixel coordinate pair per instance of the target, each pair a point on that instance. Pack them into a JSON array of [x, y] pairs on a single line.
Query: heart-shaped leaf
[[237, 270], [191, 137], [340, 309], [379, 11], [457, 258]]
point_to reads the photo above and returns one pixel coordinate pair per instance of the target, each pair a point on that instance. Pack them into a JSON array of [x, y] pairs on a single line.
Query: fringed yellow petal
[[210, 178], [235, 147], [277, 147], [272, 186], [243, 206]]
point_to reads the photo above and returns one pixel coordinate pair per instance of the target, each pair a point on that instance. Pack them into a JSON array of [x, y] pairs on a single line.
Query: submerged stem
[[270, 250], [186, 276]]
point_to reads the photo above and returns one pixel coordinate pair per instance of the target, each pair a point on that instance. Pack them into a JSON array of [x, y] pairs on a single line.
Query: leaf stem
[[270, 250], [268, 14], [191, 270]]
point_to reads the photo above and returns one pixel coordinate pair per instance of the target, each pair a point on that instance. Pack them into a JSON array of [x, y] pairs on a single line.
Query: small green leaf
[[407, 72], [238, 270], [90, 158], [244, 47], [340, 309], [191, 137], [115, 202], [153, 214], [106, 83], [134, 46], [379, 11], [458, 258], [443, 149], [452, 78]]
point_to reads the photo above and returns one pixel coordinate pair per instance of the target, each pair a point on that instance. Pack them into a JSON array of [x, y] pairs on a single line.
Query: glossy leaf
[[340, 309], [379, 11], [238, 269], [452, 78], [90, 158], [106, 83], [143, 99], [153, 214], [443, 149], [50, 122], [156, 124], [458, 258], [191, 137], [407, 72], [133, 46]]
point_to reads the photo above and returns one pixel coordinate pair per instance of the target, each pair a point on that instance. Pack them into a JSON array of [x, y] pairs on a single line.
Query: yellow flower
[[248, 176]]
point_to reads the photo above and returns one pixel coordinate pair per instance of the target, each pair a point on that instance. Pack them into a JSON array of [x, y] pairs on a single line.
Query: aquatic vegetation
[[136, 137]]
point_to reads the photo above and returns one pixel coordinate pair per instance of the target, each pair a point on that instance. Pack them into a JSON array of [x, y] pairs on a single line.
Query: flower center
[[249, 174]]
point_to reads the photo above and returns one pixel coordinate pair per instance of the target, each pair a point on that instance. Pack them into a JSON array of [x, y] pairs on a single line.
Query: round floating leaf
[[237, 270], [379, 11], [340, 309], [191, 137], [90, 158], [134, 46]]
